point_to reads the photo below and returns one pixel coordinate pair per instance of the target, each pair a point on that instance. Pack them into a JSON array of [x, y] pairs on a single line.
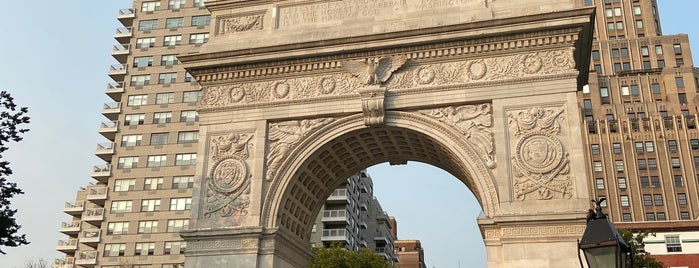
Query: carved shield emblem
[[539, 152]]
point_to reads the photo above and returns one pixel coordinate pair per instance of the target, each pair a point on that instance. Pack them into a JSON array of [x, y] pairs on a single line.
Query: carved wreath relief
[[236, 24], [228, 182], [283, 138], [475, 122], [539, 161]]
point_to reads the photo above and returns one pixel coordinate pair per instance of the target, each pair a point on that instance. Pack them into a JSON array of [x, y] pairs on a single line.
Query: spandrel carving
[[283, 138]]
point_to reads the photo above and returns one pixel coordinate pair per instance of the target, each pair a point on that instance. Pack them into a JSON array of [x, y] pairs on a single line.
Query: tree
[[337, 257], [641, 258], [36, 263], [12, 120]]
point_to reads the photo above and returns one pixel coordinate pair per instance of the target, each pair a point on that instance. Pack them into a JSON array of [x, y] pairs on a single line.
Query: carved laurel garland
[[235, 24], [539, 161], [475, 122], [228, 181], [283, 138]]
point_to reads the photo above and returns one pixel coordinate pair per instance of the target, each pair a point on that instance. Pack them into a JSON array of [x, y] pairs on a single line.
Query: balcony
[[68, 262], [70, 228], [109, 129], [123, 34], [114, 90], [339, 196], [94, 216], [362, 242], [67, 246], [335, 216], [381, 239], [74, 209], [97, 194], [362, 224], [335, 235], [105, 151], [363, 206], [386, 253], [90, 238], [86, 258], [121, 52], [111, 110], [117, 71], [101, 173], [126, 16]]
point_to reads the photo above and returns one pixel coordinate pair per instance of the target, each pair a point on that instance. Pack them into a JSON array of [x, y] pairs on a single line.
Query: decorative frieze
[[221, 244], [239, 23]]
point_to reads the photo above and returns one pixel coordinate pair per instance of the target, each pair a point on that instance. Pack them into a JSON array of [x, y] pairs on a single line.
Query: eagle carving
[[374, 71]]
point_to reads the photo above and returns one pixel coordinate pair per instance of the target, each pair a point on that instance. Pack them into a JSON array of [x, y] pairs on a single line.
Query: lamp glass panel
[[602, 257]]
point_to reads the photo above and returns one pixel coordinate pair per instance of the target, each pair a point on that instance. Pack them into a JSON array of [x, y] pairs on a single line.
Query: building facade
[[641, 134], [140, 199]]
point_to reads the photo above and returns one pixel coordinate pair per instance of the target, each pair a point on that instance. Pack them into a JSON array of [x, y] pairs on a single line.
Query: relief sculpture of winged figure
[[374, 71]]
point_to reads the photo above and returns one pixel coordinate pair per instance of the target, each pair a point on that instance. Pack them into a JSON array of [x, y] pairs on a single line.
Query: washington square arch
[[300, 94]]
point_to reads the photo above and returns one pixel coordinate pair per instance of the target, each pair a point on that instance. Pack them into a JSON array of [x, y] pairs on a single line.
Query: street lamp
[[602, 244]]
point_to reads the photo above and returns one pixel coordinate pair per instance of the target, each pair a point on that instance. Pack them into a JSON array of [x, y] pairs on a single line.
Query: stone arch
[[295, 198]]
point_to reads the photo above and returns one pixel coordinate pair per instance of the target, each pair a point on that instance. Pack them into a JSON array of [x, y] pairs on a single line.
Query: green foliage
[[641, 257], [336, 257], [11, 120]]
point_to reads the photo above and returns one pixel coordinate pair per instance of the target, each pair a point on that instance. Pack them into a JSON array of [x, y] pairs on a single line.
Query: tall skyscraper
[[641, 132]]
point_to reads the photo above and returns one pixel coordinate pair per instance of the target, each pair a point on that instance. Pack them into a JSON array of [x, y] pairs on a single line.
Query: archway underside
[[328, 166]]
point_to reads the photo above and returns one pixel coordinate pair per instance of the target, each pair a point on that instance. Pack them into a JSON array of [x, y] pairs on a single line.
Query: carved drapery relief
[[539, 161], [485, 70], [228, 183], [372, 105], [475, 122], [234, 24], [284, 136]]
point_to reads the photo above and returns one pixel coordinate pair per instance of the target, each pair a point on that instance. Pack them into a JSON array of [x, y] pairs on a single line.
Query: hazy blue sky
[[54, 57]]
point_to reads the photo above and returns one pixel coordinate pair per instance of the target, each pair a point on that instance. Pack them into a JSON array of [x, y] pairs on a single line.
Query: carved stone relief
[[372, 105], [475, 122], [539, 160], [374, 71], [234, 24], [283, 138], [228, 181]]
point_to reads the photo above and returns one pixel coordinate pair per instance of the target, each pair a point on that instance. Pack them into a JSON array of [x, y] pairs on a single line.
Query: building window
[[616, 148], [174, 23], [177, 247], [114, 250], [167, 78], [639, 24], [646, 64], [157, 160], [661, 63], [198, 3], [599, 183], [645, 182], [649, 147], [189, 116], [188, 77], [143, 249], [153, 184], [658, 50], [147, 25], [164, 98], [175, 4], [661, 216], [188, 137], [677, 48], [655, 88], [634, 91], [145, 42], [626, 217], [150, 205], [652, 164], [685, 216], [639, 147], [199, 38], [168, 60], [175, 265], [678, 181], [597, 166], [141, 62], [127, 162], [147, 227], [191, 96], [185, 159], [650, 217], [658, 199], [201, 20], [682, 199], [641, 164], [679, 81], [619, 165], [131, 140], [123, 185], [621, 183], [672, 146], [624, 199], [694, 143], [180, 203], [137, 100], [182, 182], [121, 206], [654, 182], [673, 243], [159, 138], [696, 162], [174, 226], [150, 6], [172, 40], [595, 55], [675, 162], [594, 149], [162, 117], [647, 200], [116, 228], [598, 68], [140, 80], [636, 10], [134, 119]]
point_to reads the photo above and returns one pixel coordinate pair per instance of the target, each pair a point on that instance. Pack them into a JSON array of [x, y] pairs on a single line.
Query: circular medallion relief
[[237, 93], [539, 152], [229, 175], [280, 89], [476, 70], [327, 85], [425, 75], [532, 64]]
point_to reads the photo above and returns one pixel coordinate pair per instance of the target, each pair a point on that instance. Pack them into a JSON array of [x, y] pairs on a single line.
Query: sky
[[54, 57]]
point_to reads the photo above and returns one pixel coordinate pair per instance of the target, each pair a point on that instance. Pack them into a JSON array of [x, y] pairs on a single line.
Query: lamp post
[[602, 244]]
